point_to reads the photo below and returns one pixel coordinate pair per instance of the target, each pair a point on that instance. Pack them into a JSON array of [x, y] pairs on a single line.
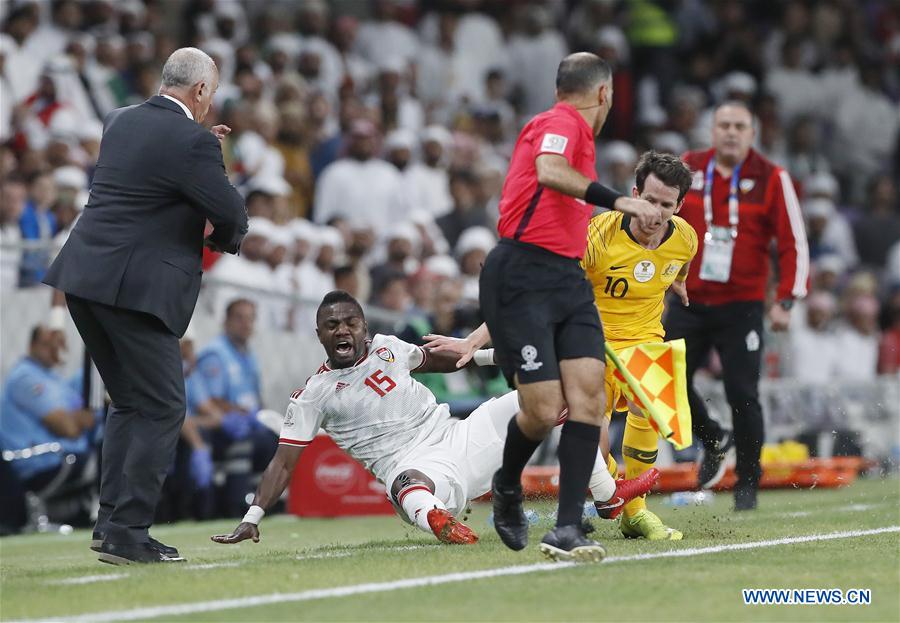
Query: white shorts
[[463, 461]]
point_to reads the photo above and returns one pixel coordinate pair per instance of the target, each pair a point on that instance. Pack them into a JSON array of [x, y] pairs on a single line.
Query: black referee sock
[[578, 444], [516, 452]]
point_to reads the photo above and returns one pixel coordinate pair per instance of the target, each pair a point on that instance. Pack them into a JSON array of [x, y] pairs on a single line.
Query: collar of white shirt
[[186, 110]]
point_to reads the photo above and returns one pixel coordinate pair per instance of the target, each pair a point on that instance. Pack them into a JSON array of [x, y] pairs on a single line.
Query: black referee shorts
[[539, 308]]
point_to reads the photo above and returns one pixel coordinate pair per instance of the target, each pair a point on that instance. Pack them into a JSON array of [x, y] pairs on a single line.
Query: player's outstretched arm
[[463, 348], [274, 481]]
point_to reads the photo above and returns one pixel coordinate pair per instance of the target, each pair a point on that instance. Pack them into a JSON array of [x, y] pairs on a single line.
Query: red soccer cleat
[[627, 490], [448, 529]]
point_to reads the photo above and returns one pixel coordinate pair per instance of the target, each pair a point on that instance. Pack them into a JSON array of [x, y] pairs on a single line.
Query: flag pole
[[664, 429]]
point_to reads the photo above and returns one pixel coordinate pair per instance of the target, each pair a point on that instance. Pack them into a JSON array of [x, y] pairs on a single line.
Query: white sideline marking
[[89, 579], [852, 508], [354, 552], [381, 587], [210, 565]]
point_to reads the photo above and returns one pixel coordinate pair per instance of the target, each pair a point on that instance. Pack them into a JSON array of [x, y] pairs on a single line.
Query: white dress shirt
[[186, 110]]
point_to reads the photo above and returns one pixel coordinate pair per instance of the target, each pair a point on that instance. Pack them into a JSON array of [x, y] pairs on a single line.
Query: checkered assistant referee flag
[[659, 370]]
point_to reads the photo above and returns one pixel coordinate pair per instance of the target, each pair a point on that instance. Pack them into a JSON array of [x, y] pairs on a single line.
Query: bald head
[[188, 66], [581, 73], [191, 77]]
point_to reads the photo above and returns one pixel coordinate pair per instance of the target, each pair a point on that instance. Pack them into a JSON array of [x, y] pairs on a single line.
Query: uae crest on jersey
[[384, 353]]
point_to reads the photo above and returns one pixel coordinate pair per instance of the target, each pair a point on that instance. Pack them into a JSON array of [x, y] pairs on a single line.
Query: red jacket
[[768, 209]]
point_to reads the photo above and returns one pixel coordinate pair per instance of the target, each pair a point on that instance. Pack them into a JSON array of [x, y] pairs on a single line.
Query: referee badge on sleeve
[[554, 143]]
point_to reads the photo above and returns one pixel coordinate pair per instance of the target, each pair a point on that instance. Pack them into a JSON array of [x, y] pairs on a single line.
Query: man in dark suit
[[131, 274]]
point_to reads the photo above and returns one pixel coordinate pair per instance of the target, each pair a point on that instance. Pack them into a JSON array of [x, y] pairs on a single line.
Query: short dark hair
[[581, 72], [240, 301], [36, 334], [668, 168], [738, 104], [338, 296]]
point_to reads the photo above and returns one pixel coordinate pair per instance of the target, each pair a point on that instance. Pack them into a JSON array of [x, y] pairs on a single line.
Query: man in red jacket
[[738, 203]]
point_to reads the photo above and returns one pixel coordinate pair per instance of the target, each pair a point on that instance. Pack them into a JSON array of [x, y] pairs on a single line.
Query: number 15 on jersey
[[380, 383]]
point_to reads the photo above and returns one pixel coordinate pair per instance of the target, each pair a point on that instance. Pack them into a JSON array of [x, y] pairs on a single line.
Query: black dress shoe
[[168, 550], [133, 553], [509, 516], [97, 539]]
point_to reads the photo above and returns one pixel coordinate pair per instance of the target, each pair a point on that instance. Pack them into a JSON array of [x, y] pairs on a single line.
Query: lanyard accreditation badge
[[718, 243]]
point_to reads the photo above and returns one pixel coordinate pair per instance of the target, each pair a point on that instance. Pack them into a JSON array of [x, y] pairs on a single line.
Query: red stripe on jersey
[[294, 442], [409, 490], [296, 393]]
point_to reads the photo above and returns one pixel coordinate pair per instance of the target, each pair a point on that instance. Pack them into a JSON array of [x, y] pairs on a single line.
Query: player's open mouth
[[343, 347]]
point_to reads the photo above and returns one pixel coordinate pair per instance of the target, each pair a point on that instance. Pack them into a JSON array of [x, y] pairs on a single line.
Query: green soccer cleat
[[645, 524]]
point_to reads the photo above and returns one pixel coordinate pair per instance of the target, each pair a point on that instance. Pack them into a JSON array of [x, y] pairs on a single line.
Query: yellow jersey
[[630, 281]]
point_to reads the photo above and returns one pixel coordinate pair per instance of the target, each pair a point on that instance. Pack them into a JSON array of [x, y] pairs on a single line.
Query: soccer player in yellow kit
[[631, 268]]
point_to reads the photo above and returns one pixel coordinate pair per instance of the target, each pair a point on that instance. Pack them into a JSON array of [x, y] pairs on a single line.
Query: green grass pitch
[[374, 566]]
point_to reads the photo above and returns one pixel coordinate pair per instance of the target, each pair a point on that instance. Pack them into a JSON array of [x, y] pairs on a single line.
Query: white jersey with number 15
[[374, 410]]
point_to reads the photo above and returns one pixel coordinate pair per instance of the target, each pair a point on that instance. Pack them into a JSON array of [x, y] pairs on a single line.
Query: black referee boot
[[509, 516], [565, 543]]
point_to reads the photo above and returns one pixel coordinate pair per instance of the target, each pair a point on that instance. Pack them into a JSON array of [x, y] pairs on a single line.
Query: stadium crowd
[[371, 140]]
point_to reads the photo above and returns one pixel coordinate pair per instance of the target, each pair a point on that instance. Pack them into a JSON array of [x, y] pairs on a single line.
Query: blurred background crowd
[[371, 139]]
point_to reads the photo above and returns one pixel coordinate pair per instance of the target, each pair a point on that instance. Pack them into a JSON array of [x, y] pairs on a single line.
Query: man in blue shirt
[[37, 223], [230, 374], [40, 407]]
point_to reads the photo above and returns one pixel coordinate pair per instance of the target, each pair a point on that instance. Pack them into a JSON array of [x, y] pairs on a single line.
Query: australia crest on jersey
[[671, 269], [384, 353]]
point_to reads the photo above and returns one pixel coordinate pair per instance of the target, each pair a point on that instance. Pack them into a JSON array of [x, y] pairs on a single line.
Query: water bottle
[[691, 498], [681, 498]]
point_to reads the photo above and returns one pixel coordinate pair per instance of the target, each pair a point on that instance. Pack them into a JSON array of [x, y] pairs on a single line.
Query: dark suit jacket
[[139, 241]]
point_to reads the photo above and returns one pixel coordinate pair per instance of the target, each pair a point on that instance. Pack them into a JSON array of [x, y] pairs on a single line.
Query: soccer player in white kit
[[365, 398]]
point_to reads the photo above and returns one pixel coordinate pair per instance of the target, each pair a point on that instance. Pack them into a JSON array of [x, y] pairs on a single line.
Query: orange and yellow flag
[[660, 371]]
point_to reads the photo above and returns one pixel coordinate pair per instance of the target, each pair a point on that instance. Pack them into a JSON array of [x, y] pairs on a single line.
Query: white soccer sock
[[602, 485], [416, 501]]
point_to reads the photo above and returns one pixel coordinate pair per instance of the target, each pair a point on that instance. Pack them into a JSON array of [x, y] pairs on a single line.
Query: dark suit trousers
[[728, 328], [140, 362]]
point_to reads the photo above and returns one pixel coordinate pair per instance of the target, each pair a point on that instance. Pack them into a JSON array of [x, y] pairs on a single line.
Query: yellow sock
[[612, 466], [639, 448]]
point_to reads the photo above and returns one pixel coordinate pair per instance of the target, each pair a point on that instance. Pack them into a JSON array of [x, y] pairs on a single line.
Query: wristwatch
[[786, 304]]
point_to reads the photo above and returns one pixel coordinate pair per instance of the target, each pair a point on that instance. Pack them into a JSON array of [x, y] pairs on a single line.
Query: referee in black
[[539, 307], [131, 274]]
